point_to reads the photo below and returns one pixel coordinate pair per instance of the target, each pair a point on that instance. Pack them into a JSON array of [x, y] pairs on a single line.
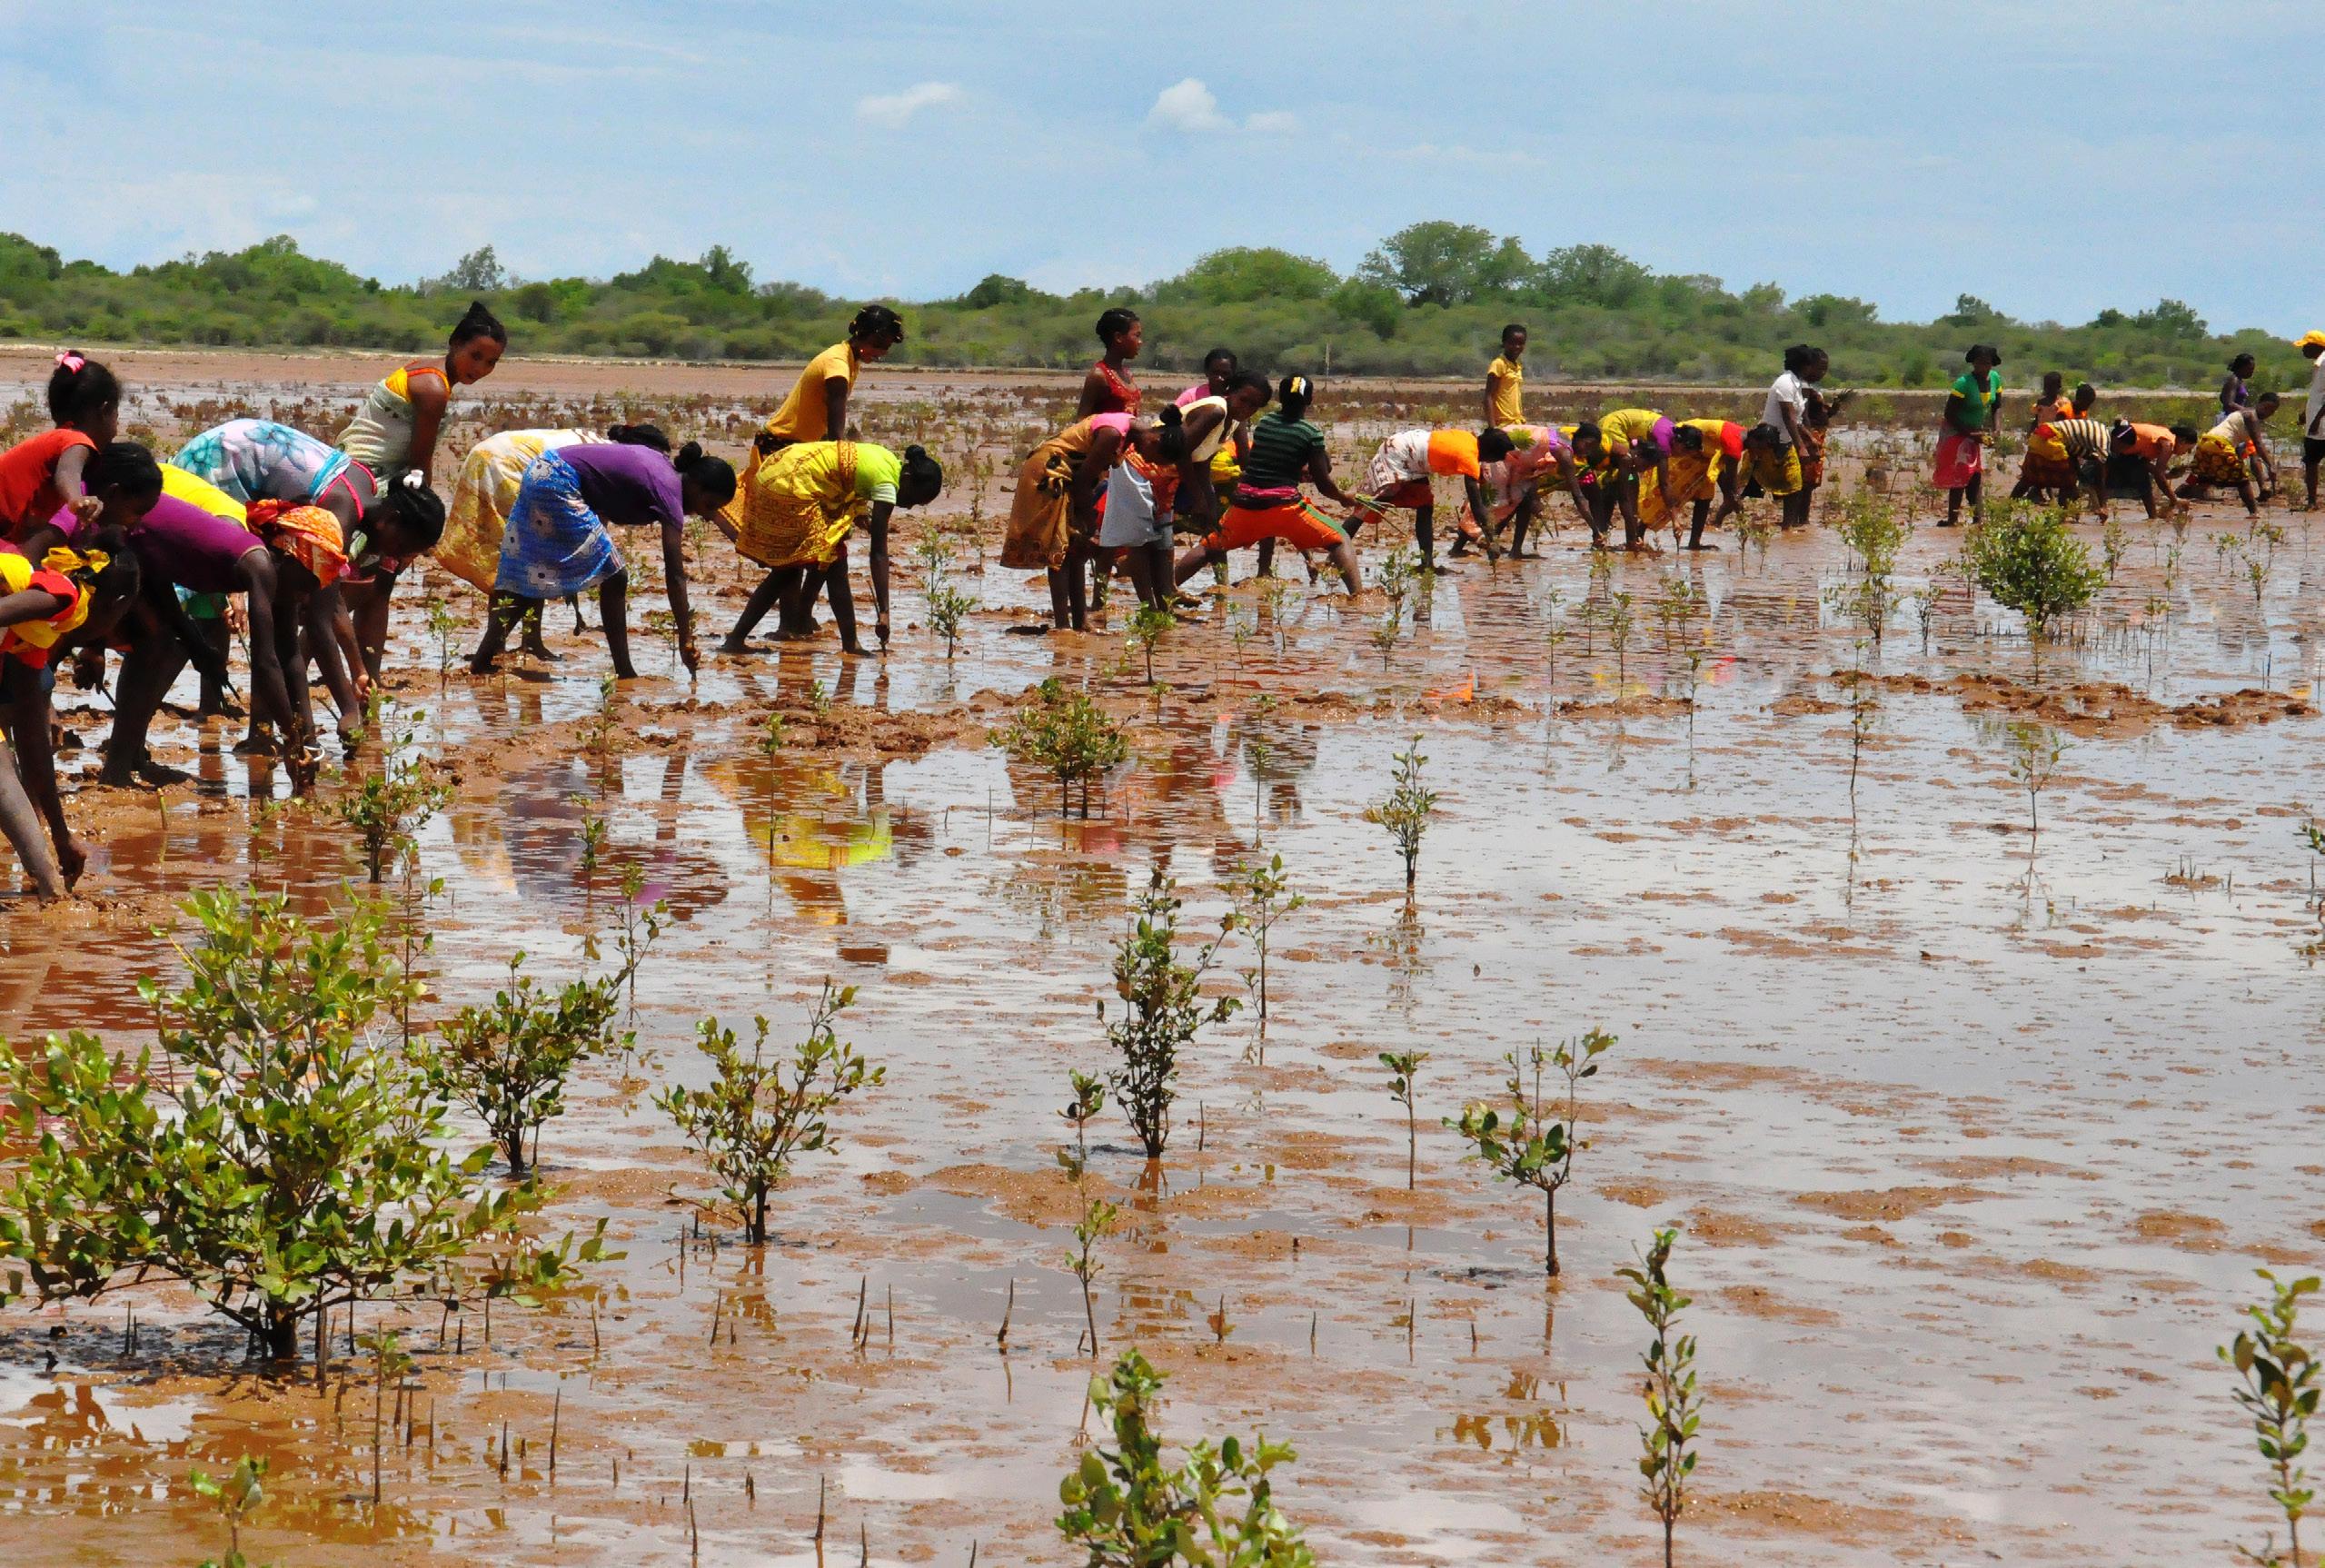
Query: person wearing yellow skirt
[[2227, 455], [801, 503], [1053, 518], [1704, 463]]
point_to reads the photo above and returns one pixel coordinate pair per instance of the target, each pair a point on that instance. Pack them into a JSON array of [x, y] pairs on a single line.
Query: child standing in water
[[47, 473], [1505, 381], [1973, 411], [396, 425]]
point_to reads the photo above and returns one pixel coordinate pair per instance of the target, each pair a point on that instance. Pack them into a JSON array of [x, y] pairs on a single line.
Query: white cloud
[[1192, 109], [895, 110]]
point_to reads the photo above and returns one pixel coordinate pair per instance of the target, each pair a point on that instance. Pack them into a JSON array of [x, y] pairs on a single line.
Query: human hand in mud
[[880, 630], [689, 654], [88, 669]]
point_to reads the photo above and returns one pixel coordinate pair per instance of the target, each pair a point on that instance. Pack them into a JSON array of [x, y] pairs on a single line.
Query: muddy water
[[1973, 1136]]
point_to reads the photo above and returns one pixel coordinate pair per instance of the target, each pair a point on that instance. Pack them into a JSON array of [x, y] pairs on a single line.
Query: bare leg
[[1344, 556], [25, 833], [613, 610], [834, 578], [1058, 607], [507, 610], [1194, 559], [762, 599], [1424, 537], [145, 677]]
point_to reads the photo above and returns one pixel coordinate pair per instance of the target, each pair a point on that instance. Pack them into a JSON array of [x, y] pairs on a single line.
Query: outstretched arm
[[877, 527], [674, 583]]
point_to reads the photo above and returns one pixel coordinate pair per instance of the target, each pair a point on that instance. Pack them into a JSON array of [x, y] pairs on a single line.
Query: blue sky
[[2051, 159]]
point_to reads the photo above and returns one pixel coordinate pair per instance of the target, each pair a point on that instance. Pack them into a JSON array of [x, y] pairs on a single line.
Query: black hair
[[124, 465], [1218, 355], [638, 435], [417, 511], [1969, 355], [922, 470], [1250, 379], [1493, 444], [80, 387], [2268, 397], [713, 476], [1588, 430], [1114, 323], [2058, 376], [2083, 387], [1800, 356], [1512, 327], [1293, 394], [2243, 365], [478, 322], [2185, 434], [1764, 434], [1173, 432], [1686, 438], [121, 575], [876, 322]]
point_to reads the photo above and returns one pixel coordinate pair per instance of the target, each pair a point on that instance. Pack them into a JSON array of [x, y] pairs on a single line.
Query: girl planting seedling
[[1400, 477], [1287, 450], [803, 504]]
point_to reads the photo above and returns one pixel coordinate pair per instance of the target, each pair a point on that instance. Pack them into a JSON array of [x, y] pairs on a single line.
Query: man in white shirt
[[2312, 425]]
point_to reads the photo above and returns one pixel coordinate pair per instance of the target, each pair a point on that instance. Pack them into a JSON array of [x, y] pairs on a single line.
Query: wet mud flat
[[1973, 1134]]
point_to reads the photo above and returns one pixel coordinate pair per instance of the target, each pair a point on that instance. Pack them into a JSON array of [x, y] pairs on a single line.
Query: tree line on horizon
[[1430, 300]]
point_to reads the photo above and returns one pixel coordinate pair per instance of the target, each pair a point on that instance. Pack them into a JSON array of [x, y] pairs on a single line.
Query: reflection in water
[[810, 819], [529, 841]]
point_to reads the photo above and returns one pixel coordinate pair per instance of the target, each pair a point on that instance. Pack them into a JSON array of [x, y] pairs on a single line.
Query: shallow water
[[1973, 1136]]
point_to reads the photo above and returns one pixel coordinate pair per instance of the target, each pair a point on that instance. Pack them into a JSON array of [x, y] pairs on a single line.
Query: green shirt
[[1281, 451], [1977, 401]]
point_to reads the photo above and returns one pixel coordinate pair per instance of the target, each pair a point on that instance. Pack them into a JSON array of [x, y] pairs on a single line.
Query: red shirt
[[28, 492]]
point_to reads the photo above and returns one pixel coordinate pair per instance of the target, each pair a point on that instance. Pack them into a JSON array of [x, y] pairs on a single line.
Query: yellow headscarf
[[65, 573]]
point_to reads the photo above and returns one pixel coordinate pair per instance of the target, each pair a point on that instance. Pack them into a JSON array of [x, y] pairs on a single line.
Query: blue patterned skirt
[[554, 544]]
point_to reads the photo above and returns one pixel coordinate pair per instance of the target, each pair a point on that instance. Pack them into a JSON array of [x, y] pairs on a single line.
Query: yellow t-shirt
[[803, 413], [1628, 425], [195, 490], [1504, 387]]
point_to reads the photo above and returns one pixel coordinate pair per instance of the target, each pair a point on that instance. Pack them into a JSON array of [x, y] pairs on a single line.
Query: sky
[[2050, 160]]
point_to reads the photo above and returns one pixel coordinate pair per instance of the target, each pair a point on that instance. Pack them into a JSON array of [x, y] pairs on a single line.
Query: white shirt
[[2316, 401], [1788, 391]]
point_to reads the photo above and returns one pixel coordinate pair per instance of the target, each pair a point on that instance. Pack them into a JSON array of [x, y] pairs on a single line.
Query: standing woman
[[1974, 409], [808, 499], [1053, 518], [1816, 428], [1287, 448], [2236, 391], [396, 425], [1777, 470], [45, 473], [73, 597], [559, 540], [1108, 389]]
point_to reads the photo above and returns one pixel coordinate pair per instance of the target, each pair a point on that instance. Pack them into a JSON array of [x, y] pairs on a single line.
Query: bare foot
[[734, 645]]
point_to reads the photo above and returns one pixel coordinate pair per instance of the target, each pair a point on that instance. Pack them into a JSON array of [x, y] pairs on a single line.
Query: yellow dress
[[483, 495], [1041, 513], [1506, 392], [803, 500]]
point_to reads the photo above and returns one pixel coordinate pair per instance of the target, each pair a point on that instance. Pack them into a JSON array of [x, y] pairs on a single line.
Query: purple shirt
[[630, 485], [191, 549]]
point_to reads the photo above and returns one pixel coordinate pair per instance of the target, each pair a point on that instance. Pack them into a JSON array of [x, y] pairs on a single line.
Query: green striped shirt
[[1281, 451]]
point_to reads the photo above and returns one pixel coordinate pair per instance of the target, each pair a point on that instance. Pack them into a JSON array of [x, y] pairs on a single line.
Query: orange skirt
[[1298, 523]]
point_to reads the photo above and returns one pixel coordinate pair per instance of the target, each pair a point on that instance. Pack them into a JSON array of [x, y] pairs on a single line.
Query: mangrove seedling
[[1067, 735], [388, 1360], [445, 627], [1618, 637], [2114, 544], [641, 926], [1262, 896], [288, 1163], [1127, 1509], [1870, 526], [2278, 1389], [1408, 811], [1385, 633], [2030, 560], [1394, 576], [508, 1060], [2034, 753], [1097, 1219], [391, 804], [751, 1120], [236, 1495], [1147, 627], [1530, 1142], [1161, 1009], [1089, 1098], [1674, 1408], [1404, 1072], [948, 610]]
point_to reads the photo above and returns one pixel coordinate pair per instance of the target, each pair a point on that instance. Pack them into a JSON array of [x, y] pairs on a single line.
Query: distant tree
[[1244, 274], [2173, 317], [1970, 311], [478, 273], [728, 272], [1374, 305], [1590, 275], [1443, 264], [994, 289], [1835, 309]]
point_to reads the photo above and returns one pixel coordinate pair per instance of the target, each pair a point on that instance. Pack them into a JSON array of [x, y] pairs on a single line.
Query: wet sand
[[1973, 1136]]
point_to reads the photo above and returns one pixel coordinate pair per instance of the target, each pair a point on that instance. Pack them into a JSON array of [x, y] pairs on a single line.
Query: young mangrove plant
[[1262, 896], [2034, 753], [1530, 1141], [445, 627], [1067, 735], [388, 805], [1674, 1408], [2028, 560], [508, 1060], [286, 1162], [1097, 1219], [1089, 1098], [1870, 526], [1408, 811], [236, 1495], [1404, 1072], [1147, 627], [948, 612], [1125, 1508], [752, 1120], [2278, 1386], [1161, 1009], [1618, 637]]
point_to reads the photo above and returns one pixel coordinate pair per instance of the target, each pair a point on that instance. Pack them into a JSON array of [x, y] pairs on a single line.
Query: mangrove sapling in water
[[1162, 1006], [1147, 627], [1067, 735], [508, 1060], [1089, 1098], [1674, 1408], [2035, 750], [1404, 1072], [1127, 1509], [445, 627], [1406, 812], [236, 1496], [1526, 1143], [2280, 1388], [1262, 896], [290, 1165], [1870, 527], [391, 804], [1098, 1219], [1385, 633], [2030, 560], [641, 926], [1394, 576], [1618, 637], [2114, 544], [948, 610], [388, 1360], [751, 1120]]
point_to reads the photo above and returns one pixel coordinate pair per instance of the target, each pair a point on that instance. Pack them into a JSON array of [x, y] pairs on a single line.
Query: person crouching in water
[[803, 503]]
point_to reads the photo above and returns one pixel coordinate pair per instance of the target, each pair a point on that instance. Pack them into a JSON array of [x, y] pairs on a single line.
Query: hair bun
[[1170, 418], [687, 455], [915, 449]]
